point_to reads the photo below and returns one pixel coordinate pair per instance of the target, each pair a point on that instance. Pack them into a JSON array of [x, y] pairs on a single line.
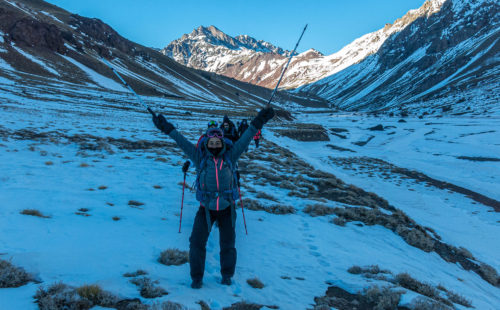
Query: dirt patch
[[339, 148], [478, 158], [305, 132]]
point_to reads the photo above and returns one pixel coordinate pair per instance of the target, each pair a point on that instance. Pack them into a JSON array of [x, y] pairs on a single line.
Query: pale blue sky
[[332, 23]]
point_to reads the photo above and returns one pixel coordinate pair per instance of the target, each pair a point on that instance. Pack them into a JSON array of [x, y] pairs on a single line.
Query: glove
[[162, 124], [185, 167], [263, 117]]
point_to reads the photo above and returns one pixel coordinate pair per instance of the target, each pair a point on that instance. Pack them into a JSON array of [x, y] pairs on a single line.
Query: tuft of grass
[[84, 210], [255, 283], [383, 298], [49, 163], [157, 186], [166, 305], [116, 218], [373, 269], [102, 187], [407, 281], [82, 214], [62, 296], [319, 210], [12, 276], [136, 273], [34, 212], [264, 195], [135, 203], [458, 299], [489, 274], [339, 221], [174, 257], [148, 287], [110, 204], [84, 165]]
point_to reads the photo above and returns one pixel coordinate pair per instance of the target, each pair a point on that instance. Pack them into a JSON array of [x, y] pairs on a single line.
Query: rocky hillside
[[442, 62], [44, 44]]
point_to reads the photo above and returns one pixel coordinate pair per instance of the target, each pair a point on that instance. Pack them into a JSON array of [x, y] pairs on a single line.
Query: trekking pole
[[286, 67], [128, 86], [184, 169], [241, 201], [243, 211]]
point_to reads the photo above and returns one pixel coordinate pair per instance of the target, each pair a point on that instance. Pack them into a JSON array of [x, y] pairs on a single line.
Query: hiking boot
[[196, 284], [226, 280]]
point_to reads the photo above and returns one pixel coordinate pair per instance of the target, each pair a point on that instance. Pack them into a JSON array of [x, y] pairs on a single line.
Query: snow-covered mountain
[[445, 61], [42, 43], [212, 50]]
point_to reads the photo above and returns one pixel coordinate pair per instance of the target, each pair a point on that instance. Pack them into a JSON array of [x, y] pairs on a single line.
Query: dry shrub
[[264, 195], [458, 299], [405, 280], [280, 209], [462, 251], [373, 269], [96, 295], [340, 221], [157, 186], [424, 303], [173, 257], [166, 305], [243, 305], [287, 185], [319, 210], [255, 283], [61, 296], [489, 274], [416, 238], [102, 187], [12, 276], [148, 288], [84, 165], [134, 274], [116, 218], [383, 298], [34, 212], [49, 163]]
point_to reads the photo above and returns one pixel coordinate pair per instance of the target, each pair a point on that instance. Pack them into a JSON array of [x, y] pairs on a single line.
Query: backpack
[[202, 195]]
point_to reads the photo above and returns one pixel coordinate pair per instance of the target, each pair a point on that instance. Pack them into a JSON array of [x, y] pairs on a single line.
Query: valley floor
[[82, 156]]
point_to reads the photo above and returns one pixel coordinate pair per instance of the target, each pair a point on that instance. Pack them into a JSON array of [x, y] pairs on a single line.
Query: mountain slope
[[42, 43], [449, 60], [262, 67]]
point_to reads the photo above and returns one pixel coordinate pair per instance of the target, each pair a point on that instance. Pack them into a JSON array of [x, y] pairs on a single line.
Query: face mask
[[215, 151]]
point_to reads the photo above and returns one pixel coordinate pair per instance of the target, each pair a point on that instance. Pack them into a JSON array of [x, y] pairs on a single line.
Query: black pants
[[256, 143], [198, 242]]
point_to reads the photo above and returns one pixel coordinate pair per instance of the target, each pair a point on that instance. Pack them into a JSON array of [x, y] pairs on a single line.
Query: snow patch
[[96, 77]]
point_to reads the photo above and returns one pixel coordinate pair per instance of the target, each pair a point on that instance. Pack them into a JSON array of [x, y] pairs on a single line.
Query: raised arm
[[187, 147], [257, 123]]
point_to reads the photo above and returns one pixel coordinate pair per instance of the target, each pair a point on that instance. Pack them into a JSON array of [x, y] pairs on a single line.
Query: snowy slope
[[75, 151], [448, 60]]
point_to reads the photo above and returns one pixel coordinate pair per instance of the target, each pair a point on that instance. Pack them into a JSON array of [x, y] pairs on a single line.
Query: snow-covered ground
[[296, 256]]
